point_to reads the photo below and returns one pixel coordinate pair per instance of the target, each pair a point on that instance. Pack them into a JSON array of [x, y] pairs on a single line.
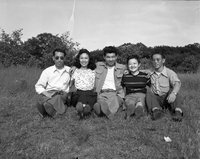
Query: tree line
[[37, 51]]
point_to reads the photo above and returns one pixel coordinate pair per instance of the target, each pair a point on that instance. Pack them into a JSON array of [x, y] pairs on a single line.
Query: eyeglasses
[[59, 57]]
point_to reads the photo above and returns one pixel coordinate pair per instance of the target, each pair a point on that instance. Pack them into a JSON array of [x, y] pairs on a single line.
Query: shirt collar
[[55, 69], [117, 65], [164, 71]]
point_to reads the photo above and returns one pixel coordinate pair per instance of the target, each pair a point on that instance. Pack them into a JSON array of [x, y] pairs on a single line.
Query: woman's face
[[84, 59], [133, 65]]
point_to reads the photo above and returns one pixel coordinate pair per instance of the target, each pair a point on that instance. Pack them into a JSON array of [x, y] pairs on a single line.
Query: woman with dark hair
[[83, 78]]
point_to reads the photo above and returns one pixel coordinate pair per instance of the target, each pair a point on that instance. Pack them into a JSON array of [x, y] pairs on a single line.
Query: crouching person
[[108, 84], [53, 86], [135, 83], [164, 93]]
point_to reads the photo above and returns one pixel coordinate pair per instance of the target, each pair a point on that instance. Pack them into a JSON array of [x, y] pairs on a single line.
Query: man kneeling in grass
[[165, 86], [53, 86]]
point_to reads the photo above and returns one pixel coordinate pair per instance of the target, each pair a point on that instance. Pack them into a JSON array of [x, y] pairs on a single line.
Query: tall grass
[[190, 82], [24, 134]]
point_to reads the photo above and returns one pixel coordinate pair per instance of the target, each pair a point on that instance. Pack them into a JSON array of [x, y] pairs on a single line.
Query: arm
[[172, 96], [40, 86], [148, 72], [72, 87], [72, 70]]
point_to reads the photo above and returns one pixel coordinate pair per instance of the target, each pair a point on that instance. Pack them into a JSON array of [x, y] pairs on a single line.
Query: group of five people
[[106, 87]]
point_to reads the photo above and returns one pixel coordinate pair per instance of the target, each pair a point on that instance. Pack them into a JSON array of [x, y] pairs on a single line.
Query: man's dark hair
[[158, 53], [59, 50], [91, 65], [110, 49], [133, 57]]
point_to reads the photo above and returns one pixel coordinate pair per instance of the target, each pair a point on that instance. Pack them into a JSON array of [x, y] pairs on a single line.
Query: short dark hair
[[133, 57], [59, 50], [158, 53], [91, 65], [110, 49]]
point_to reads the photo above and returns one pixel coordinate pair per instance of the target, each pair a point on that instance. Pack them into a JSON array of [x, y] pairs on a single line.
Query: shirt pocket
[[119, 75], [119, 79], [164, 86]]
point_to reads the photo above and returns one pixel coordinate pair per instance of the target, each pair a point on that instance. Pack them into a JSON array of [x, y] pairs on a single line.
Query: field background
[[25, 135]]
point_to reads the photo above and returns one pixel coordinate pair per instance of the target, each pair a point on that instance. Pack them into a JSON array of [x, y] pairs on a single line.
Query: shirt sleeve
[[173, 78], [149, 82], [41, 84], [122, 82]]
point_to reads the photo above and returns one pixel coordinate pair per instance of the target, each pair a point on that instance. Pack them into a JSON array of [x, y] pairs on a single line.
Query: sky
[[99, 23]]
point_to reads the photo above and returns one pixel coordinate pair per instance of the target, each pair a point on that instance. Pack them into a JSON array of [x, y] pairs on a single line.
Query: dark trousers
[[153, 100], [81, 98]]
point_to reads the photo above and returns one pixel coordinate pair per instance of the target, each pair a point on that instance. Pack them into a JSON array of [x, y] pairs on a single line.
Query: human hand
[[171, 98], [45, 93], [126, 72], [148, 72]]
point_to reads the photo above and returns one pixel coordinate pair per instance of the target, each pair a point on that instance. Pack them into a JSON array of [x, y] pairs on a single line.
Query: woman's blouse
[[84, 79]]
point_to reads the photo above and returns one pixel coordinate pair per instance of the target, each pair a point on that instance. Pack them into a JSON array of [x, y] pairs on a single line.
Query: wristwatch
[[174, 93]]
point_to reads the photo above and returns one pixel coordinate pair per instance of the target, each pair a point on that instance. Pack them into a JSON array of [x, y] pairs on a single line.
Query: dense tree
[[37, 51], [40, 48], [11, 49]]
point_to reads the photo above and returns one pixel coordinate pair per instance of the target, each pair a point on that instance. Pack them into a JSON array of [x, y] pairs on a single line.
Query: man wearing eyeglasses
[[53, 86]]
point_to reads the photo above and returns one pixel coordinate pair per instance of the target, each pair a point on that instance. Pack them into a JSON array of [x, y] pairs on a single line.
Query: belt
[[107, 90]]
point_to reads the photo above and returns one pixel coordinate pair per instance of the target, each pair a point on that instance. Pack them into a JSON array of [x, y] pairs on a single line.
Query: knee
[[79, 107], [129, 102]]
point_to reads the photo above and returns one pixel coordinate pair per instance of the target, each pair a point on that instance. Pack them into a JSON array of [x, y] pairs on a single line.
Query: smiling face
[[133, 65], [58, 59], [110, 59], [84, 60]]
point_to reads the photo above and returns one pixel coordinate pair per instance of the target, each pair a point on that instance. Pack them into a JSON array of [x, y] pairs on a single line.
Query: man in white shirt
[[108, 83], [53, 86]]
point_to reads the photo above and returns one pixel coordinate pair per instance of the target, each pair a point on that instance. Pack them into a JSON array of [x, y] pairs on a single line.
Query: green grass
[[25, 135]]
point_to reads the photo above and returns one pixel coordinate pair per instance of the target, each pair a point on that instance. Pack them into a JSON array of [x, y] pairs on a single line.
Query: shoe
[[79, 108], [41, 110], [97, 108], [127, 117], [111, 116], [139, 111], [86, 110], [178, 116], [49, 109], [105, 109], [157, 114]]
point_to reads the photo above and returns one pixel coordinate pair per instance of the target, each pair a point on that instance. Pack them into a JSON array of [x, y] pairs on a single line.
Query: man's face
[[110, 59], [158, 61], [59, 59]]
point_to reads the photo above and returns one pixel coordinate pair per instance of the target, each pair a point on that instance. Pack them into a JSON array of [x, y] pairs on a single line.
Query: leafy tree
[[42, 46], [11, 49]]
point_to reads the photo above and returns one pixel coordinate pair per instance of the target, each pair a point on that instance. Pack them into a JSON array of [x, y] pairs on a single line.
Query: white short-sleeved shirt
[[84, 79]]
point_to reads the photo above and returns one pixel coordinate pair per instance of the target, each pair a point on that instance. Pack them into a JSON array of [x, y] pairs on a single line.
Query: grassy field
[[25, 135]]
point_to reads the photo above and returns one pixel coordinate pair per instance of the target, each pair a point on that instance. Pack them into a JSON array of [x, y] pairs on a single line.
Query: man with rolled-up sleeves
[[164, 90]]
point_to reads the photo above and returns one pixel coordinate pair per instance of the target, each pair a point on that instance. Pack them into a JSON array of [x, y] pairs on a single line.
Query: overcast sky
[[99, 23]]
